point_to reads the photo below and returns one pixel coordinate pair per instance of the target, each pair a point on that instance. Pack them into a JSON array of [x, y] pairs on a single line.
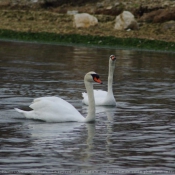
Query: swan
[[55, 109], [105, 98]]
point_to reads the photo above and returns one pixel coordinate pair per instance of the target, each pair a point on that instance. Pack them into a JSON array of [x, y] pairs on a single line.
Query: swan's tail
[[19, 110], [27, 114]]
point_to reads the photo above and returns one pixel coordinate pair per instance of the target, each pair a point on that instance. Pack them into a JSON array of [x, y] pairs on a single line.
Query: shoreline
[[88, 40], [52, 24]]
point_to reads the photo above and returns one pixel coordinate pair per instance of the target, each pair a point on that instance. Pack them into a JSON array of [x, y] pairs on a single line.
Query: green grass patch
[[89, 40]]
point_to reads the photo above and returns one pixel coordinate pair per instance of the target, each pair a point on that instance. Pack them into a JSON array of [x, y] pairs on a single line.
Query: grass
[[89, 40]]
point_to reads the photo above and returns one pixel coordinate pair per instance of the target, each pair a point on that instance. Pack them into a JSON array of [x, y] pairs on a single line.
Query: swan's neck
[[110, 79], [91, 109]]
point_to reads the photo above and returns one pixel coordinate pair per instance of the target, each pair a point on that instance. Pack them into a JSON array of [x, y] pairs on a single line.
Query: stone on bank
[[126, 20], [84, 20]]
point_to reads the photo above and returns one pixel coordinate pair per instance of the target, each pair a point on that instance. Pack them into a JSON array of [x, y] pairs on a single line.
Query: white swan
[[55, 109], [103, 97]]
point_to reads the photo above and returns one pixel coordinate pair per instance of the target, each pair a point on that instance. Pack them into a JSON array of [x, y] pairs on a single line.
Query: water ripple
[[135, 137]]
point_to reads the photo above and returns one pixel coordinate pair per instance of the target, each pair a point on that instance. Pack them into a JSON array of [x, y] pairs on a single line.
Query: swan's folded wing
[[51, 103], [54, 109]]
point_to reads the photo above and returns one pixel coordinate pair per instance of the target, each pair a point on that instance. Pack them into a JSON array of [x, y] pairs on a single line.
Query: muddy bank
[[40, 17]]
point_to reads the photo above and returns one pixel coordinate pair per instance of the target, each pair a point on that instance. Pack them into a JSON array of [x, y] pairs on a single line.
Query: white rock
[[125, 21], [84, 20], [72, 12]]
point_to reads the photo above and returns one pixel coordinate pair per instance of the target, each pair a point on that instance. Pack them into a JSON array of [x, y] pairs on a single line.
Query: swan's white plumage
[[104, 98], [98, 95], [49, 108], [101, 98], [55, 109]]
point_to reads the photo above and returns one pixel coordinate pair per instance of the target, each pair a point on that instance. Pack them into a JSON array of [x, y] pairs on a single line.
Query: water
[[137, 136]]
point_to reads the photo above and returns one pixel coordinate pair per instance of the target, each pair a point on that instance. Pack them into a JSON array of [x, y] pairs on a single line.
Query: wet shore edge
[[88, 40]]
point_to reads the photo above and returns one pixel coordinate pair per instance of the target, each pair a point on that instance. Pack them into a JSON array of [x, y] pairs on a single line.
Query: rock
[[109, 11], [148, 17], [84, 20], [72, 12], [160, 15], [165, 15], [125, 21]]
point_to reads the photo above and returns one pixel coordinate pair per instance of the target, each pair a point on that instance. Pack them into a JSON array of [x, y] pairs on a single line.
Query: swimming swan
[[103, 97], [55, 109]]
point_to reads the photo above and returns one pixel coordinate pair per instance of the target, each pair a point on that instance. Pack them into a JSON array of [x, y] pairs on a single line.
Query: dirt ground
[[54, 18]]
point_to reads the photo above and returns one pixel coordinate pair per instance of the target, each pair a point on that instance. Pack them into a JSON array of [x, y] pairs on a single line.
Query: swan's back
[[46, 103], [99, 96]]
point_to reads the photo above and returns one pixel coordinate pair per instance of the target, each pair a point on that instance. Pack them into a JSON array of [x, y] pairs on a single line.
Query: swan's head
[[112, 59], [92, 77]]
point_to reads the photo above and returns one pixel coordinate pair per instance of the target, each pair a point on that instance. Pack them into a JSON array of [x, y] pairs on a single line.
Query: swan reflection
[[44, 130], [108, 110]]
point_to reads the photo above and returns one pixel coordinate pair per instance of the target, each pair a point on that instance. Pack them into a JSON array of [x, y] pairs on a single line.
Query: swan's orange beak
[[97, 80], [113, 58]]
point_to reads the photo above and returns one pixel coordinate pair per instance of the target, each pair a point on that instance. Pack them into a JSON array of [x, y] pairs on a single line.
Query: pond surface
[[137, 136]]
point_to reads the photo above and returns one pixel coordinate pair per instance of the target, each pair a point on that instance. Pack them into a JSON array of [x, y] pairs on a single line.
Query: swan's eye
[[113, 57], [96, 78]]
